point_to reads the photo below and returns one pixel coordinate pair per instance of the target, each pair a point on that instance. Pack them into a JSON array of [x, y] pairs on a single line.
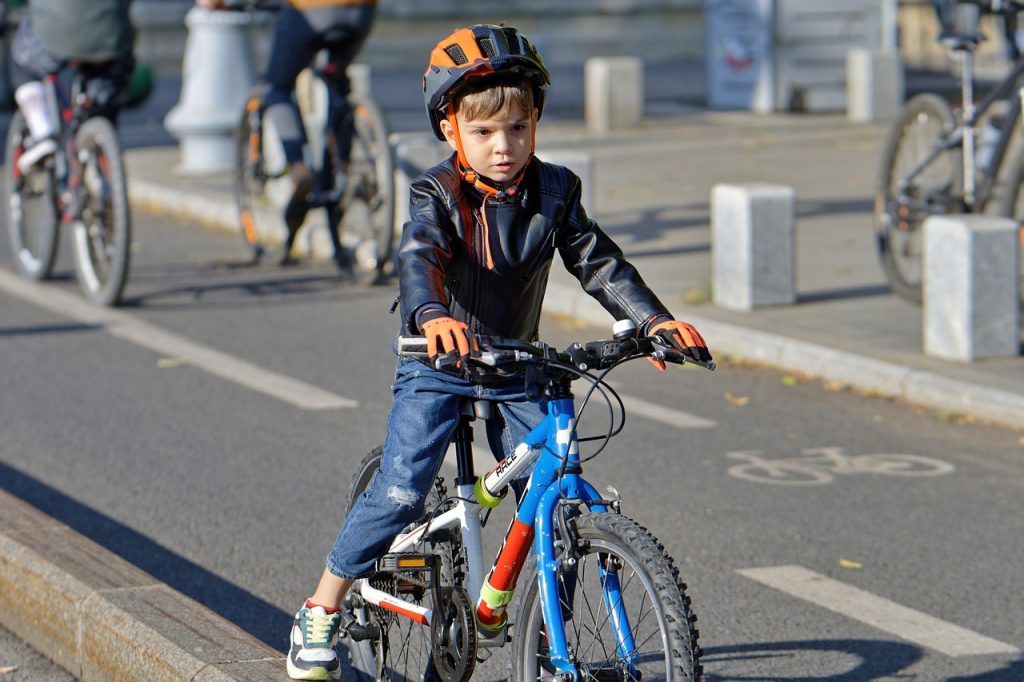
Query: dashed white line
[[888, 616], [124, 326]]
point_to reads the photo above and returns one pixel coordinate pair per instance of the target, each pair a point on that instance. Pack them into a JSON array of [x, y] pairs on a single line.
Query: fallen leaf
[[790, 380], [846, 563], [835, 386], [6, 669], [1020, 440], [164, 363], [696, 295], [736, 400]]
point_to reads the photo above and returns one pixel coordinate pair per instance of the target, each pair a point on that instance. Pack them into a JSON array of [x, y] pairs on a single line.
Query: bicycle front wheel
[[102, 229], [627, 615], [404, 652], [31, 201], [368, 203], [920, 175]]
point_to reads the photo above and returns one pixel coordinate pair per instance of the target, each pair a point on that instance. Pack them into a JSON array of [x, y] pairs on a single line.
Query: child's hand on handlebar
[[448, 335], [683, 337]]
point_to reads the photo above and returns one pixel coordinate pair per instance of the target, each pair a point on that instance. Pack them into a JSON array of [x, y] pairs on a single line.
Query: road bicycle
[[82, 186], [359, 202], [819, 466], [937, 160], [602, 598]]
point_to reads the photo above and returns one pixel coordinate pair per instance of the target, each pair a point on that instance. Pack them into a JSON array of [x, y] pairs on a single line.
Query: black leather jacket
[[493, 274]]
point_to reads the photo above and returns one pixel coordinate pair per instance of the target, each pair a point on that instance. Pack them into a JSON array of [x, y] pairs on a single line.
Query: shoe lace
[[317, 629]]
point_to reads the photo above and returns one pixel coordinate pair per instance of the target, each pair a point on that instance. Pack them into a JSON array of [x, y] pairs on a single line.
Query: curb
[[867, 374], [101, 618], [878, 377]]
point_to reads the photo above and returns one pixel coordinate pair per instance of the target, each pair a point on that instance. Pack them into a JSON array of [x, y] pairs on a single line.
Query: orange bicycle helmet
[[478, 52]]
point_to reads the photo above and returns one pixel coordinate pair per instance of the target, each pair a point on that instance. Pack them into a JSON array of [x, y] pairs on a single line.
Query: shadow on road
[[252, 614], [879, 658]]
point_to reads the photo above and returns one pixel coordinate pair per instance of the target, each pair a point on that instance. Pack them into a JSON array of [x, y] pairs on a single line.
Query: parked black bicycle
[[938, 160]]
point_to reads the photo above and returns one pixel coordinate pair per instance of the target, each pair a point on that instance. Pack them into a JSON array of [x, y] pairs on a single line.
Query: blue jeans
[[423, 419]]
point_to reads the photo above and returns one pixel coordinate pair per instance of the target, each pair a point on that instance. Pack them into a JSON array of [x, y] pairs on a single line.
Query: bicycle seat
[[476, 409], [961, 42]]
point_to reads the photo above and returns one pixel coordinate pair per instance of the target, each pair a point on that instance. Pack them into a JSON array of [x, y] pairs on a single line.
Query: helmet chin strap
[[508, 190]]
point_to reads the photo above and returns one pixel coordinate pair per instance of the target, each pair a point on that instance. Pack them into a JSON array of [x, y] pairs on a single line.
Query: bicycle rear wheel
[[405, 645], [31, 201], [368, 203], [101, 232], [621, 576], [262, 186], [903, 201]]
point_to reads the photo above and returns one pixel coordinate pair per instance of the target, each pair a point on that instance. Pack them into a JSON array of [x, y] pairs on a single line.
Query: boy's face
[[496, 147]]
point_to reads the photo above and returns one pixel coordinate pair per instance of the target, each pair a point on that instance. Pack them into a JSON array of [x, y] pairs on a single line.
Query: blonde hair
[[488, 98]]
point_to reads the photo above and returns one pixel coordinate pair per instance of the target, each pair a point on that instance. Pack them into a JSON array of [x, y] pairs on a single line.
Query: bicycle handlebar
[[500, 353]]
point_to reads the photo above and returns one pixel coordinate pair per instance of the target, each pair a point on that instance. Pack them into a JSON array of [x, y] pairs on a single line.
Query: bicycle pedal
[[406, 562]]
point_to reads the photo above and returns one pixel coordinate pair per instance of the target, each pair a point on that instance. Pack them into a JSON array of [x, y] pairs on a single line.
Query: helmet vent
[[486, 47], [457, 55], [512, 40]]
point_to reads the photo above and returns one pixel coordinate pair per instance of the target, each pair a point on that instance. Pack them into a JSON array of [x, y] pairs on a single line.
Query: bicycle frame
[[555, 479]]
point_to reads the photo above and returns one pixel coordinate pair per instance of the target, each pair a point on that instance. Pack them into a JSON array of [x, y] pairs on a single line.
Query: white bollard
[[971, 307], [752, 245], [579, 162], [874, 85], [217, 76], [613, 93]]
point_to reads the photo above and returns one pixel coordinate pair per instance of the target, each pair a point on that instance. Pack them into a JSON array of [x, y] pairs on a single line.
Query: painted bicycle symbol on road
[[818, 466]]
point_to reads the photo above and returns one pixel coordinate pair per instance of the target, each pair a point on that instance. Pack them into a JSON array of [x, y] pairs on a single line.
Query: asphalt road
[[214, 481]]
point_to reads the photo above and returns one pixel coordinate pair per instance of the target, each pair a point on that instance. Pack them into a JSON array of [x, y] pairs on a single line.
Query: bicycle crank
[[453, 634]]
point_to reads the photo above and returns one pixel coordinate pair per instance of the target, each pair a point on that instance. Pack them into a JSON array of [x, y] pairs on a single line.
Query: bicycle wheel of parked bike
[[902, 200], [101, 232], [1012, 205], [405, 644], [621, 575], [260, 176], [31, 200], [368, 203]]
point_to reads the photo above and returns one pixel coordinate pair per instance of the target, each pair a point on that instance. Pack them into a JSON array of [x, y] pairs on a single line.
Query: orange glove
[[453, 335], [683, 337]]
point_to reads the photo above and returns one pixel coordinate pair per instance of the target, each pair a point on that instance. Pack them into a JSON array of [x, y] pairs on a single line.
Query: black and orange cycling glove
[[683, 337], [447, 336]]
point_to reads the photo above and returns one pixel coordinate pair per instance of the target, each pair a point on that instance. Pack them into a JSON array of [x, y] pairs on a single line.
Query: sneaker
[[313, 654], [36, 152]]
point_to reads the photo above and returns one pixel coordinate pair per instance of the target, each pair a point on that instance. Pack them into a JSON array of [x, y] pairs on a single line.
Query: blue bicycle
[[603, 601]]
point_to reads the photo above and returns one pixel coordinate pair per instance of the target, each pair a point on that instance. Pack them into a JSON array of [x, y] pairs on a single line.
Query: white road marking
[[124, 326], [878, 612], [637, 407]]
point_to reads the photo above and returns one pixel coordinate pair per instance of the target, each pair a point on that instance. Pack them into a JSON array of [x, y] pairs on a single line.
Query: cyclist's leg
[[30, 63], [343, 29], [294, 45]]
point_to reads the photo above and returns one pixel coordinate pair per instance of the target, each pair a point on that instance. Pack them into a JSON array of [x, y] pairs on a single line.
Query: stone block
[[579, 162], [413, 154], [874, 85], [970, 279], [752, 245], [613, 93]]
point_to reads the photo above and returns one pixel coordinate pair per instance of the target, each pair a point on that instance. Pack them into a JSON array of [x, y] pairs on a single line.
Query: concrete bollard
[[971, 300], [413, 154], [579, 162], [217, 76], [752, 245], [613, 93], [874, 85]]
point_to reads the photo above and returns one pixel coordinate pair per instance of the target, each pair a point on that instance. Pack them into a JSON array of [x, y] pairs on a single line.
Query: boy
[[474, 259]]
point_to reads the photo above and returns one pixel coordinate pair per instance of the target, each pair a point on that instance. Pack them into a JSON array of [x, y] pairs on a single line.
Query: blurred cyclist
[[97, 35], [304, 27]]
